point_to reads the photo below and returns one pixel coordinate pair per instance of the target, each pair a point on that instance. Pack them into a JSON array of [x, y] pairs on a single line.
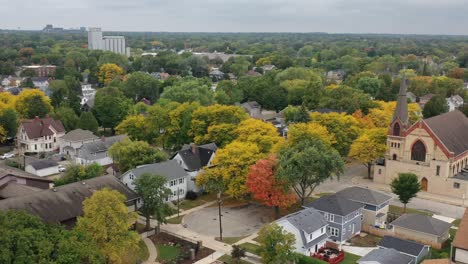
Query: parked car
[[7, 156], [61, 168]]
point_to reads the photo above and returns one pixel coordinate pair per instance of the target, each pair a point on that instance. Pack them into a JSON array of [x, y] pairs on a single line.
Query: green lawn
[[445, 251], [456, 222], [175, 220], [167, 253], [189, 204], [231, 240], [399, 210], [249, 247], [350, 258], [229, 260]]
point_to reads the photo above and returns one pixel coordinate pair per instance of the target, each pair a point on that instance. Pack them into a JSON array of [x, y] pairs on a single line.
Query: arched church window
[[396, 129], [418, 151]]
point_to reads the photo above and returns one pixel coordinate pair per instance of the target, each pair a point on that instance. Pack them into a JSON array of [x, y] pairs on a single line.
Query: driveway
[[237, 221]]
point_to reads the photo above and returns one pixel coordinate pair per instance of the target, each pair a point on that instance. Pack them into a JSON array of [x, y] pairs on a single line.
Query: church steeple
[[401, 110]]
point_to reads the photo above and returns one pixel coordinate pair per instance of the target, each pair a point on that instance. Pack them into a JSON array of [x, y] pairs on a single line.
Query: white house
[[454, 102], [39, 134], [96, 151], [73, 140], [193, 159], [88, 94], [310, 229], [41, 82], [43, 168], [175, 175]]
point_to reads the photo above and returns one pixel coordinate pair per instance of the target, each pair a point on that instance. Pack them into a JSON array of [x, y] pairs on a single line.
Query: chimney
[[194, 148]]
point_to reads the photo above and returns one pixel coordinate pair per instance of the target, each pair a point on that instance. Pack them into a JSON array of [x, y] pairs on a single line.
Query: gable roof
[[197, 157], [461, 238], [14, 189], [40, 127], [308, 220], [422, 223], [364, 195], [169, 169], [451, 128], [404, 246], [88, 150], [64, 203], [43, 164], [79, 135], [385, 256], [335, 204]]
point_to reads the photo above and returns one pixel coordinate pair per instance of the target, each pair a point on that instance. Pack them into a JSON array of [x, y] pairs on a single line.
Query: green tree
[[406, 186], [32, 102], [189, 91], [76, 172], [128, 154], [228, 93], [276, 245], [307, 164], [369, 85], [180, 123], [9, 121], [141, 85], [296, 114], [436, 106], [106, 219], [87, 121], [67, 116], [110, 107], [59, 91], [154, 193], [237, 253]]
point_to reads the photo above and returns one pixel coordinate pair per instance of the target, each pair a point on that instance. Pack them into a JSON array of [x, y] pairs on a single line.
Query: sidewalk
[[153, 253]]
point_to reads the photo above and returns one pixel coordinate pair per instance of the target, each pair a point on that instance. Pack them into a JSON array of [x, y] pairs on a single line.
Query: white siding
[[461, 255], [43, 172]]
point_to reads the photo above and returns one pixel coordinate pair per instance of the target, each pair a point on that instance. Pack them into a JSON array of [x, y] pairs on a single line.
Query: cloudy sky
[[334, 16]]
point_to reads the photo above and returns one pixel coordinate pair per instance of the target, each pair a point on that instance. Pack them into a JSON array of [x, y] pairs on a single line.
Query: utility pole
[[178, 202], [220, 223]]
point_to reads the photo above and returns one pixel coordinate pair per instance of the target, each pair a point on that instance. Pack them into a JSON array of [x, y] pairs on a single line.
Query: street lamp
[[220, 223]]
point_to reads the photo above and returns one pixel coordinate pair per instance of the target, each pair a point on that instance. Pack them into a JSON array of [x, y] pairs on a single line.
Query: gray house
[[410, 248], [376, 204], [310, 229], [343, 216], [422, 228], [385, 256]]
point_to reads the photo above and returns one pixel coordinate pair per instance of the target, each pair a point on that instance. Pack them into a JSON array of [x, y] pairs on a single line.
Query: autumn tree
[[106, 219], [154, 193], [276, 245], [345, 129], [180, 123], [307, 164], [230, 168], [128, 154], [261, 133], [264, 186], [368, 147], [305, 131], [406, 186], [136, 127], [109, 72], [33, 102]]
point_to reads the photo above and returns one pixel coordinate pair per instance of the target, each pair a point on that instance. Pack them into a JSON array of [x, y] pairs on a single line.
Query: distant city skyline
[[333, 16]]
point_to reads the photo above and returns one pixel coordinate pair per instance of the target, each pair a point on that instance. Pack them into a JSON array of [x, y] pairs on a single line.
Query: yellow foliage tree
[[136, 127], [7, 100], [109, 72], [107, 220], [3, 134], [33, 102], [231, 166], [300, 131], [381, 116], [261, 133], [368, 147]]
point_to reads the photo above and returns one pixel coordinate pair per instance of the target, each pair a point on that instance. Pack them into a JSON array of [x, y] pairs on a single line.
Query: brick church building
[[435, 149]]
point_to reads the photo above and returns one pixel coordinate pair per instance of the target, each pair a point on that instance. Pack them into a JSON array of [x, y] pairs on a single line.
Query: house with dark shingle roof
[[421, 228], [96, 151], [435, 149], [14, 185], [64, 204], [43, 168], [342, 215], [407, 247], [39, 135], [73, 140], [193, 158], [385, 256], [310, 229], [376, 204], [176, 177]]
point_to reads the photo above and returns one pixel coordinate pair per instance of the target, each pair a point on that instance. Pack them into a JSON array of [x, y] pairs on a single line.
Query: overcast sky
[[334, 16]]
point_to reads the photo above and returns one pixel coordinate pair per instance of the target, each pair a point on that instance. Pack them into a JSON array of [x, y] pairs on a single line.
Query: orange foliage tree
[[265, 188]]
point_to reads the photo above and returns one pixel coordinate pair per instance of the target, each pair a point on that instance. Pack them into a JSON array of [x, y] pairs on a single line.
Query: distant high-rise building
[[115, 44]]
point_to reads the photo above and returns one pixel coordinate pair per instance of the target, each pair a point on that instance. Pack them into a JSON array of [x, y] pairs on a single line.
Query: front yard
[[167, 253]]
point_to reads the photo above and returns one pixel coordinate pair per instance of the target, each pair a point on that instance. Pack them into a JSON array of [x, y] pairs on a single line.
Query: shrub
[[191, 195]]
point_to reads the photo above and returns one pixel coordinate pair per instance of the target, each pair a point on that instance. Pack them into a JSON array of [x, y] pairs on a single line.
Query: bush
[[301, 259], [191, 195], [12, 163]]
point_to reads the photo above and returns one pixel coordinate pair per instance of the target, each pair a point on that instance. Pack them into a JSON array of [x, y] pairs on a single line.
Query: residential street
[[355, 175]]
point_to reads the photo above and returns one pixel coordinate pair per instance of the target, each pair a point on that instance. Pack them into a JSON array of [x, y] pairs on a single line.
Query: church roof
[[401, 111], [451, 128]]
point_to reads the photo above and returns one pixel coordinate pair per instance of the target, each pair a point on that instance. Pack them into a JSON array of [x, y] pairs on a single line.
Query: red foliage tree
[[265, 188]]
